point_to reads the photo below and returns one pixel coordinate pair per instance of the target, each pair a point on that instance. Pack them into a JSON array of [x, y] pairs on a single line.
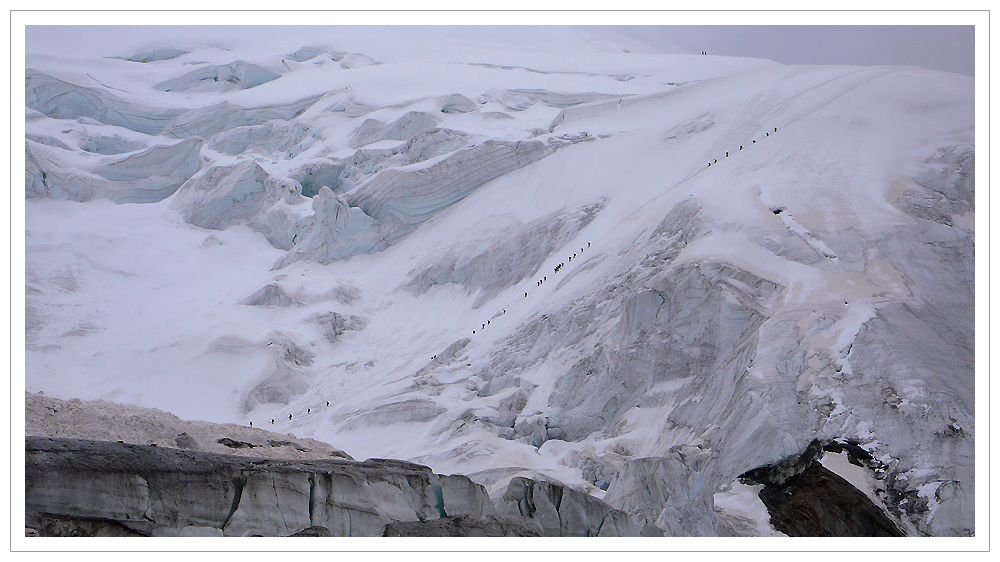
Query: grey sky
[[950, 48]]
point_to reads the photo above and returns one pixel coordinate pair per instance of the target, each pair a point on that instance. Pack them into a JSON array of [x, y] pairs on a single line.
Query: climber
[[308, 410], [755, 141], [543, 279], [473, 332], [741, 147], [767, 134], [775, 129], [588, 244], [709, 164], [251, 422], [289, 416], [727, 155], [525, 295], [272, 421], [714, 161], [487, 322]]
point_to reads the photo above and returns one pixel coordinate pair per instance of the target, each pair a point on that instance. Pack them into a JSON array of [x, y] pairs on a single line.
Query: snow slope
[[750, 256]]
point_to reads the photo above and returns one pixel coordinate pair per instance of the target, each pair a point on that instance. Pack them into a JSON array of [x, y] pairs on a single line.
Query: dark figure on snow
[[289, 416], [328, 402], [727, 155], [308, 410], [251, 424], [272, 421]]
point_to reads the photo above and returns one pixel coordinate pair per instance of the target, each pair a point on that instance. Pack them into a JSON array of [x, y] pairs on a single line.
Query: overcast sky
[[949, 48]]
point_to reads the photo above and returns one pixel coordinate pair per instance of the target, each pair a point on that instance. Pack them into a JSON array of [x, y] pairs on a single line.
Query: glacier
[[619, 292]]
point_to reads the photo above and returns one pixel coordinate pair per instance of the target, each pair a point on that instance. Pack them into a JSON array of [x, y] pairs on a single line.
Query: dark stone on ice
[[818, 503]]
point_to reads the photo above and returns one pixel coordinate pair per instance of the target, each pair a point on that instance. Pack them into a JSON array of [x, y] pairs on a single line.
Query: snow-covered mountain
[[501, 252]]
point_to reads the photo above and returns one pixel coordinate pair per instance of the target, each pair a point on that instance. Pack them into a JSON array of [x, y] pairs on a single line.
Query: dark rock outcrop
[[818, 503], [805, 499]]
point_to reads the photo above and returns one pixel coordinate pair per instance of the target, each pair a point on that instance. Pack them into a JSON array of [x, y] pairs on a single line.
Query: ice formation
[[622, 280]]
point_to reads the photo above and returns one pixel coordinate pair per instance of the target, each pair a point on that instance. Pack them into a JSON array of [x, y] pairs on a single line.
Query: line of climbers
[[539, 282], [482, 326], [556, 269], [308, 411], [766, 134]]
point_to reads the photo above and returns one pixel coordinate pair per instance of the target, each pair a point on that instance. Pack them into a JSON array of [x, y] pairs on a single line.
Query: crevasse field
[[499, 252]]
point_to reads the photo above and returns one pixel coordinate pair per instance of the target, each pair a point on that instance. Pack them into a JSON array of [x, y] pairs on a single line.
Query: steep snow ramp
[[404, 128], [402, 198], [157, 54], [62, 100], [236, 75], [519, 100], [223, 116], [143, 177]]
